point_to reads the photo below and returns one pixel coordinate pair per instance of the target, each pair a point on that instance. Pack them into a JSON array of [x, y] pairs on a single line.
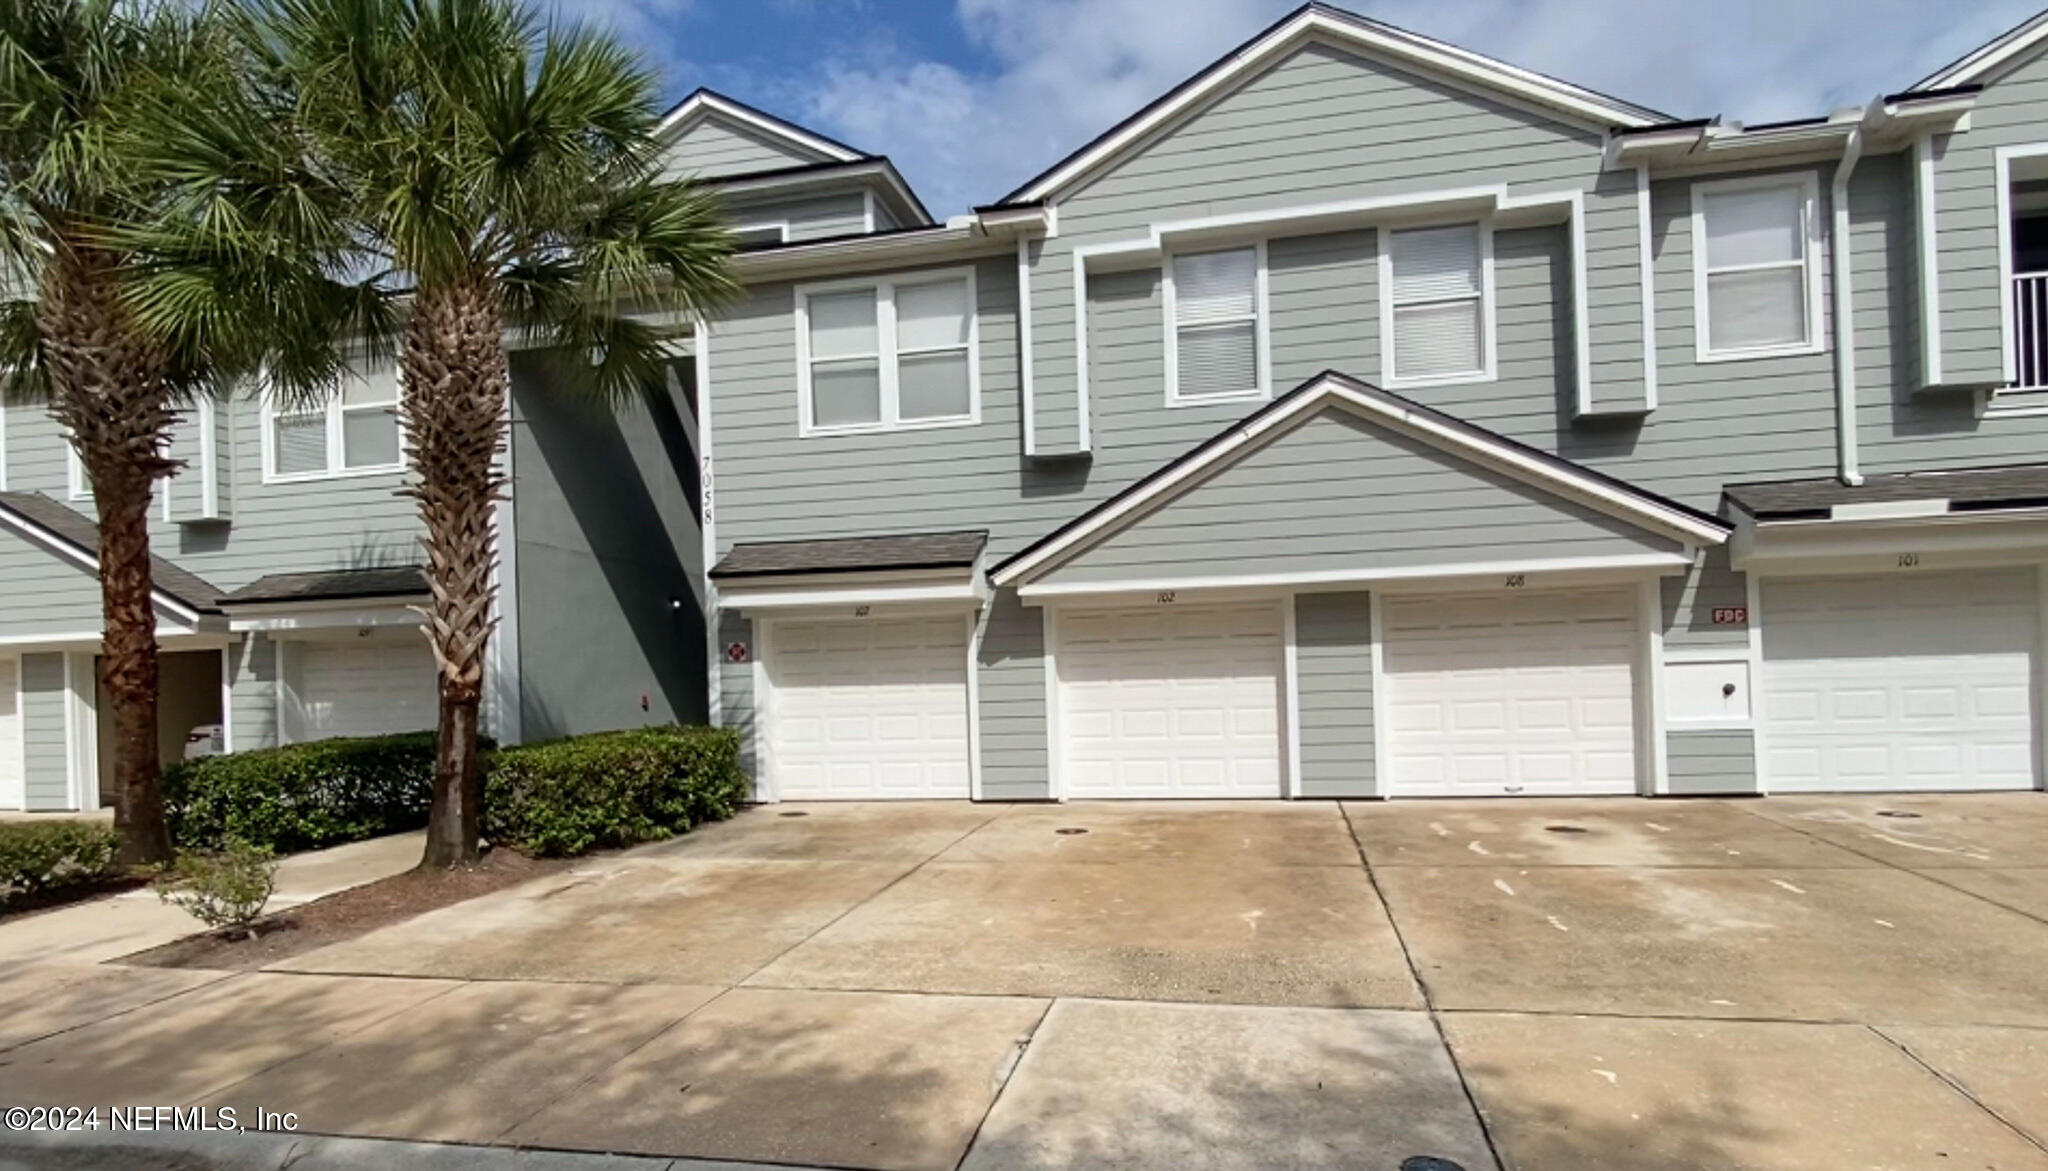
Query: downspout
[[1845, 312]]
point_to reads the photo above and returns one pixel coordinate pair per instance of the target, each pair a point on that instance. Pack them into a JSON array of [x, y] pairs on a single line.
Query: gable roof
[[1980, 63], [78, 538], [1348, 30], [704, 103], [1540, 469]]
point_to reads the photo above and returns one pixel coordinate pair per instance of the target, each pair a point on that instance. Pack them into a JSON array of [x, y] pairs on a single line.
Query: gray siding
[[1691, 598], [1333, 664], [1719, 761], [46, 593], [1299, 503], [43, 732], [609, 559], [252, 717], [1012, 684], [736, 687], [813, 217], [716, 147]]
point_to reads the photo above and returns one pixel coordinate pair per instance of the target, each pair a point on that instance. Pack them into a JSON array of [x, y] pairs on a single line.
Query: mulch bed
[[347, 914], [20, 906]]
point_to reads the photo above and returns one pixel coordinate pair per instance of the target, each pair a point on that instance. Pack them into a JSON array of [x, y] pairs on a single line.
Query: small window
[[1756, 283], [747, 236], [887, 355], [77, 483], [1438, 316], [1216, 306], [356, 432]]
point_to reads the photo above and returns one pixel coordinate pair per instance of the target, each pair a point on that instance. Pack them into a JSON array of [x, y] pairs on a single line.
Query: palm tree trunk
[[107, 388], [456, 379]]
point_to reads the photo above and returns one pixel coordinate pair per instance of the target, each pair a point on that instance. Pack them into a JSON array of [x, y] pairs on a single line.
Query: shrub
[[302, 796], [36, 856], [611, 788], [221, 888]]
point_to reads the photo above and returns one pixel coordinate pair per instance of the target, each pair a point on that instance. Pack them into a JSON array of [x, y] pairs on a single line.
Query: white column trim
[[1753, 598], [81, 732], [977, 624], [284, 694], [1381, 786], [1650, 695], [227, 697], [1024, 358], [1055, 784], [714, 695], [1646, 248], [1291, 683], [1926, 227]]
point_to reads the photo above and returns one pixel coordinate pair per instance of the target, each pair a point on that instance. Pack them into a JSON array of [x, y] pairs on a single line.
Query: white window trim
[[885, 330], [77, 485], [335, 471], [1808, 183], [779, 226], [1488, 370], [2007, 335], [1261, 330]]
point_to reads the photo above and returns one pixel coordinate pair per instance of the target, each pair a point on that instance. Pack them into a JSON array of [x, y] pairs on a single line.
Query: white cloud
[[1055, 73]]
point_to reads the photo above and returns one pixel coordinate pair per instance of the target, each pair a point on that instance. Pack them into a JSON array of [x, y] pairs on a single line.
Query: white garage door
[[868, 709], [1906, 681], [367, 687], [1511, 693], [13, 788], [1170, 701]]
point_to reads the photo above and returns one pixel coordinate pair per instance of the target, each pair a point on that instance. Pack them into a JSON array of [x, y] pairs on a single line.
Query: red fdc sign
[[1731, 615]]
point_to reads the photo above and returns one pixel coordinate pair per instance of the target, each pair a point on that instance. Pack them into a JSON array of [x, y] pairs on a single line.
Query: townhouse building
[[1367, 417]]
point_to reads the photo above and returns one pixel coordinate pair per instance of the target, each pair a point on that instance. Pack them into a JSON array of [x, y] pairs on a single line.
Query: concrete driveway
[[1791, 983]]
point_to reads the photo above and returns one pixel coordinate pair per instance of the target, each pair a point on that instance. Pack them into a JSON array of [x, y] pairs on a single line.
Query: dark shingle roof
[[1974, 490], [333, 585], [79, 531], [854, 554]]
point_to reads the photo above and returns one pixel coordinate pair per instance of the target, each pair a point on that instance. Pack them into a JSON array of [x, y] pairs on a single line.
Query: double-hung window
[[1217, 348], [1756, 286], [355, 432], [889, 354], [1437, 311]]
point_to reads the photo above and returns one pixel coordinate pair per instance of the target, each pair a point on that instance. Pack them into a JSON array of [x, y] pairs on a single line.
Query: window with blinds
[[1436, 288], [356, 431], [1755, 279], [891, 354], [1216, 325]]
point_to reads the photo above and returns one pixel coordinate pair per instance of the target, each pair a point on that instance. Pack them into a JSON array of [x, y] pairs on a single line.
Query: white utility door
[[1510, 693], [367, 687], [13, 784], [869, 708], [1899, 682], [1170, 701]]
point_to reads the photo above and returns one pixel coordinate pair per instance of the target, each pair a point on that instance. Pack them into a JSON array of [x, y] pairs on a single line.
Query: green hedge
[[302, 796], [611, 788], [37, 856]]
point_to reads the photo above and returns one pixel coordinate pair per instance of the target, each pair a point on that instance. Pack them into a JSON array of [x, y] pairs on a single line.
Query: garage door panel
[[1511, 693], [370, 687], [868, 709], [1900, 682], [1170, 701]]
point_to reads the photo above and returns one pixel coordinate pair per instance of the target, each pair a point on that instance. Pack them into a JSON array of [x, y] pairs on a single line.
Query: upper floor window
[[1216, 303], [1437, 311], [759, 235], [1756, 283], [890, 354], [355, 433]]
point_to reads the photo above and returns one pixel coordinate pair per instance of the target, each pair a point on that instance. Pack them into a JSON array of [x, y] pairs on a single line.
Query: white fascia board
[[1459, 65], [704, 103], [89, 561], [174, 638], [356, 612], [1889, 510], [1538, 572], [2019, 533], [932, 245], [1676, 524], [965, 595]]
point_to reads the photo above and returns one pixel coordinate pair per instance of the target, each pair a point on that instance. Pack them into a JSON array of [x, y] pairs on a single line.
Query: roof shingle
[[854, 554], [332, 585], [1973, 490]]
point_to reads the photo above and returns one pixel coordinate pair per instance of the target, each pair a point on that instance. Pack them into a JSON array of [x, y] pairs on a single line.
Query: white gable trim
[[1351, 33], [1988, 58], [1384, 410], [704, 103]]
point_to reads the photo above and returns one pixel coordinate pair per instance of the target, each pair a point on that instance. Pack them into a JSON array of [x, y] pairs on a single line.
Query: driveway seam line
[[113, 1016], [1436, 1022], [879, 891], [1886, 862], [1009, 1075], [1961, 1089]]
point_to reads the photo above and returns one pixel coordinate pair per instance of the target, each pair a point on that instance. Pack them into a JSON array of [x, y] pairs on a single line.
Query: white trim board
[[1383, 409], [1558, 572], [704, 103], [1346, 33]]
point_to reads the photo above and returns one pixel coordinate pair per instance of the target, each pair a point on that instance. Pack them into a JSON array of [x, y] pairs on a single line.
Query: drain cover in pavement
[[1430, 1163], [795, 813], [1567, 829], [1069, 831], [1897, 813]]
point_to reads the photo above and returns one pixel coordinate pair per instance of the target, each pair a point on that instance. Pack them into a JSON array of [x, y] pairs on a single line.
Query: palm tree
[[421, 177], [68, 336]]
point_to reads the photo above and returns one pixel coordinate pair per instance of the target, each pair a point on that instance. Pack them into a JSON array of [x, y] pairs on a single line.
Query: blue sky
[[972, 97]]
